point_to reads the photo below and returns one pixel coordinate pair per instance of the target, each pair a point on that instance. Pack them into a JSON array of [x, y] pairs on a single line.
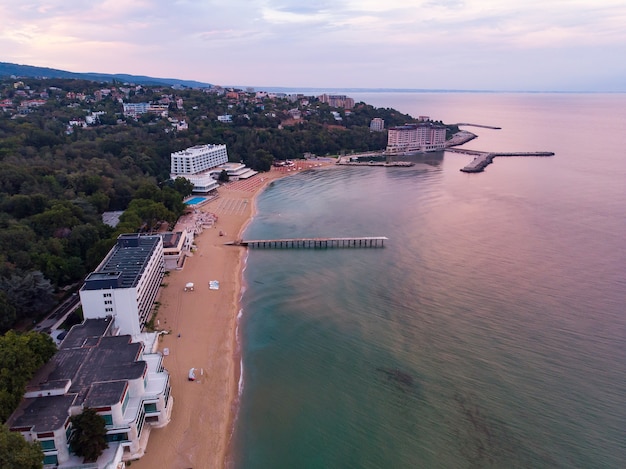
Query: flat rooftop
[[171, 239], [197, 149], [41, 414], [98, 367], [125, 262]]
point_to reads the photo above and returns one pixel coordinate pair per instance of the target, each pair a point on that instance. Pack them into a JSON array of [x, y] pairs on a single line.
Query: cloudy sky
[[548, 45]]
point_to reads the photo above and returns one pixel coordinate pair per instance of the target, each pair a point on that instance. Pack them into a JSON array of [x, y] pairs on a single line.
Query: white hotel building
[[122, 380], [107, 363], [413, 138], [126, 283], [202, 165], [198, 164]]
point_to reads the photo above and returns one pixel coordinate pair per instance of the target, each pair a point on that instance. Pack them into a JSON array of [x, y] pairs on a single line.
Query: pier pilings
[[313, 243]]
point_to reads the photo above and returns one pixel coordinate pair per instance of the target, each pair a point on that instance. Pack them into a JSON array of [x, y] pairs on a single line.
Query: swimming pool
[[195, 201]]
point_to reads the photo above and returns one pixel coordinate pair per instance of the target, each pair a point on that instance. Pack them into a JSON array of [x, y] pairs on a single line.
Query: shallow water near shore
[[488, 332]]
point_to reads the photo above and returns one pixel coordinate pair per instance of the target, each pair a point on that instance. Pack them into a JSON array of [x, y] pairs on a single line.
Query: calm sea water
[[490, 331]]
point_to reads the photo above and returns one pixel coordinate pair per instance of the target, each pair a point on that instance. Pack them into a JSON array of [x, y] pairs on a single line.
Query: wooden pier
[[323, 243]]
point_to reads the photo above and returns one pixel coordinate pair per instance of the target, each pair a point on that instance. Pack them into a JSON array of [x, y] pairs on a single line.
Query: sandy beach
[[202, 325]]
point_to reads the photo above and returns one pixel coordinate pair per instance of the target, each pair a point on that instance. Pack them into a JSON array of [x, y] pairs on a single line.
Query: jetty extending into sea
[[483, 158], [286, 243], [386, 164]]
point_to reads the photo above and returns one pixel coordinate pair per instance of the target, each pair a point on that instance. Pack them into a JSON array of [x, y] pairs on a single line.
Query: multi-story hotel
[[107, 363], [197, 159], [377, 124], [126, 283], [337, 100], [122, 380], [137, 109], [197, 164], [420, 137]]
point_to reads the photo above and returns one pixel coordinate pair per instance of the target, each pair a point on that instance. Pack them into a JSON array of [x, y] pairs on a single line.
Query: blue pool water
[[195, 201]]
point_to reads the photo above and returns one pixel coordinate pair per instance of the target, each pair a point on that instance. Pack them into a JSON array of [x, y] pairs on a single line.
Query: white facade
[[202, 183], [377, 124], [197, 164], [197, 159], [415, 138], [175, 246], [126, 283], [235, 171], [135, 109], [118, 378]]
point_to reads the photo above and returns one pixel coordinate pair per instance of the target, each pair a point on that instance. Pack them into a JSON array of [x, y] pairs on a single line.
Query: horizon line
[[414, 90]]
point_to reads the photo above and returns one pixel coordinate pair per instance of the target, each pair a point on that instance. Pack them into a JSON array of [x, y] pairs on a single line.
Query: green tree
[[223, 177], [88, 435], [21, 355], [29, 292], [82, 238], [17, 453], [100, 201], [7, 313], [262, 160], [57, 219], [183, 186], [173, 201], [149, 211]]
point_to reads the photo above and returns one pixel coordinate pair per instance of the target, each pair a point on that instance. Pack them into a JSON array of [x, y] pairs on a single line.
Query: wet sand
[[202, 325]]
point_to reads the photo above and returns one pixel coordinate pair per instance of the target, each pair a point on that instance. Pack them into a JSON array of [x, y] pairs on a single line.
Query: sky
[[503, 45]]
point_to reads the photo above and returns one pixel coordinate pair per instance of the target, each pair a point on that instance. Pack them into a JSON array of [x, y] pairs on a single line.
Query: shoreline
[[203, 328]]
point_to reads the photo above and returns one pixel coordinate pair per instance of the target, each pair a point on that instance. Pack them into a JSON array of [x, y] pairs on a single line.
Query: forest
[[69, 153]]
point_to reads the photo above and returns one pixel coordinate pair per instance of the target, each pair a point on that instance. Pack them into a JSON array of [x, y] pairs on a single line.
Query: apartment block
[[126, 283], [419, 137], [119, 378]]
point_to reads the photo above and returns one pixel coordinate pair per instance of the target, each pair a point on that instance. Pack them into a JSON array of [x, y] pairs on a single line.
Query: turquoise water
[[490, 330], [195, 200]]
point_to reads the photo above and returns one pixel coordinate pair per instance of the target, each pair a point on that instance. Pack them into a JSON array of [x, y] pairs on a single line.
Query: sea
[[488, 332]]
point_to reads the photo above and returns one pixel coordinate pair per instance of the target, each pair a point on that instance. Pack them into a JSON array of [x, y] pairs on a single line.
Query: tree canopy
[[21, 355], [88, 435], [59, 173], [17, 453]]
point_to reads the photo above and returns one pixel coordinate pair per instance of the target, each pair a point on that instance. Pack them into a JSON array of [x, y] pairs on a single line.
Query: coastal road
[[59, 314]]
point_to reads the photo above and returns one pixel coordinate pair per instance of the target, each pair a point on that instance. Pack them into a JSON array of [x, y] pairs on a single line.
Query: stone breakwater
[[460, 138], [483, 158]]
